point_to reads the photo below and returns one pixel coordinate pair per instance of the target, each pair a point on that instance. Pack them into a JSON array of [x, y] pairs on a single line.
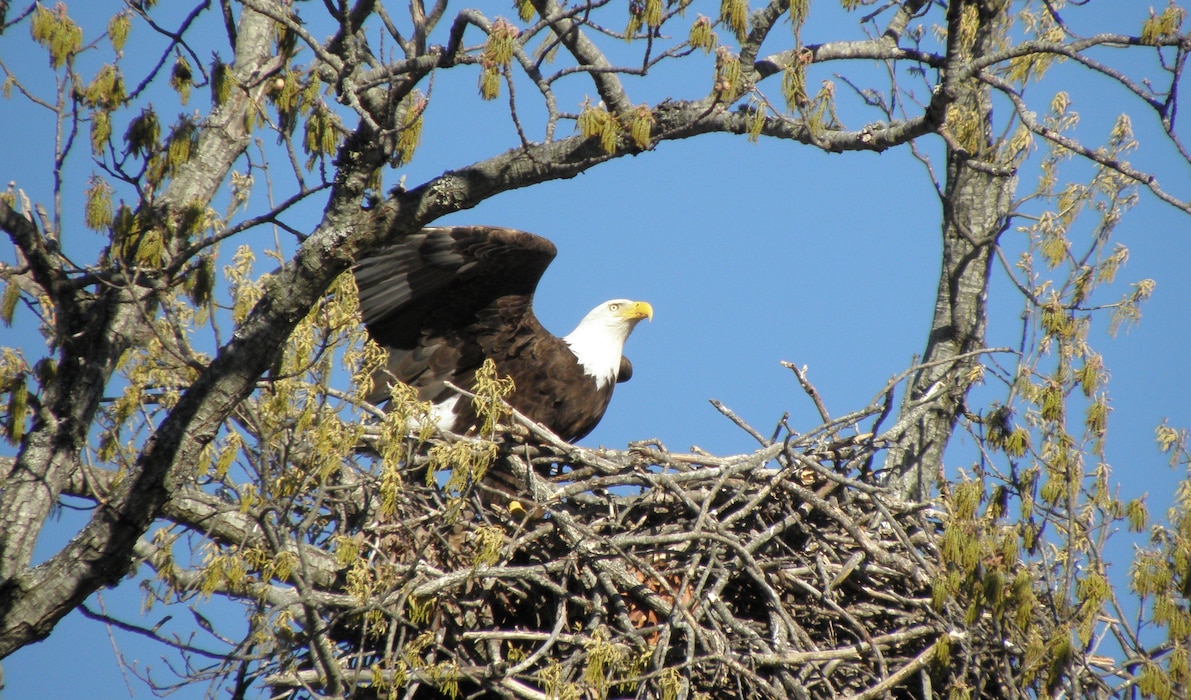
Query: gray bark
[[976, 202]]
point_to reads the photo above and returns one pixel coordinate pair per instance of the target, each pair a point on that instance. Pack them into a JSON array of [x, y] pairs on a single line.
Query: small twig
[[152, 634], [809, 388], [740, 422], [882, 688]]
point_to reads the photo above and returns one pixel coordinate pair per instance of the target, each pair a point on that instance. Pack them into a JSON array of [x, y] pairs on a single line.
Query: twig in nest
[[740, 422], [809, 388]]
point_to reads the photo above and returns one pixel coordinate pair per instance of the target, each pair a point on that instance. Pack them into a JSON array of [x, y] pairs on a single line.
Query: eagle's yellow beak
[[638, 310]]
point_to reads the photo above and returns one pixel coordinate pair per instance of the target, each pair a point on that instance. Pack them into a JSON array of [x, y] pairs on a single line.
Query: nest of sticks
[[566, 572]]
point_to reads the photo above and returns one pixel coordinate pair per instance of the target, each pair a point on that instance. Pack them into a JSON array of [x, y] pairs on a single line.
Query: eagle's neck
[[598, 347]]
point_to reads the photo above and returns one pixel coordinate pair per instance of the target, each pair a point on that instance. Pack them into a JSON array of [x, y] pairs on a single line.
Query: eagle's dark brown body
[[445, 299]]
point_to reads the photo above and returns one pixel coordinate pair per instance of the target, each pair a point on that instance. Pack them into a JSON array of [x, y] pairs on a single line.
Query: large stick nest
[[567, 572]]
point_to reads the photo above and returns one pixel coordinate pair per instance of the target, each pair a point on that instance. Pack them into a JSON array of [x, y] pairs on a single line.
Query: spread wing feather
[[443, 299], [441, 279]]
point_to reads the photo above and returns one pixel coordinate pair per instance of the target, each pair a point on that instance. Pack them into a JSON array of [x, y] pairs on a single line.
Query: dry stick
[[880, 689], [152, 634], [878, 404], [859, 629], [740, 422], [809, 388], [559, 624], [521, 690], [760, 498], [894, 561], [852, 652]]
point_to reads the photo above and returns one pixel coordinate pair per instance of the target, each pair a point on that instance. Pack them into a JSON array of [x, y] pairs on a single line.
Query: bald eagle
[[445, 299]]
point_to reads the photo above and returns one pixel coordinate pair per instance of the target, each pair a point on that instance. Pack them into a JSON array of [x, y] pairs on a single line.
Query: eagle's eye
[[613, 307]]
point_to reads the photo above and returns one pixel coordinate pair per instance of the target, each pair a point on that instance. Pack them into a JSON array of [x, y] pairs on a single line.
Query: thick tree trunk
[[976, 202], [979, 203], [100, 327]]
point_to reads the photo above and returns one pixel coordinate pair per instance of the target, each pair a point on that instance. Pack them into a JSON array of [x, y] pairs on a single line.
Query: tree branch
[[587, 55]]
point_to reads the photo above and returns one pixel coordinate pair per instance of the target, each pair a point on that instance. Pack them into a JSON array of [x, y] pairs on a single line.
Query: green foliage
[[1163, 27], [289, 444], [653, 13], [497, 55], [106, 90], [286, 40], [489, 544], [1128, 309], [8, 302], [1174, 443], [98, 212], [794, 86], [966, 125], [221, 82], [525, 10], [409, 129], [701, 36], [1074, 367], [799, 11], [57, 32], [119, 27], [180, 145], [1161, 576], [101, 131], [607, 664], [734, 14], [729, 76], [466, 461], [182, 78], [143, 134], [818, 112], [1045, 440], [596, 122], [489, 401], [985, 574], [641, 123], [1137, 515], [821, 114], [323, 131], [1041, 26], [647, 13], [756, 122], [135, 243], [285, 91], [13, 373]]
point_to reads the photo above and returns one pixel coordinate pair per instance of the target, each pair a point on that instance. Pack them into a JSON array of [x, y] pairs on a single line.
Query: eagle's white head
[[598, 340]]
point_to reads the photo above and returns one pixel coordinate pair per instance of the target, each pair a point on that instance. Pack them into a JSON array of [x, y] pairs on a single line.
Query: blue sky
[[751, 254]]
